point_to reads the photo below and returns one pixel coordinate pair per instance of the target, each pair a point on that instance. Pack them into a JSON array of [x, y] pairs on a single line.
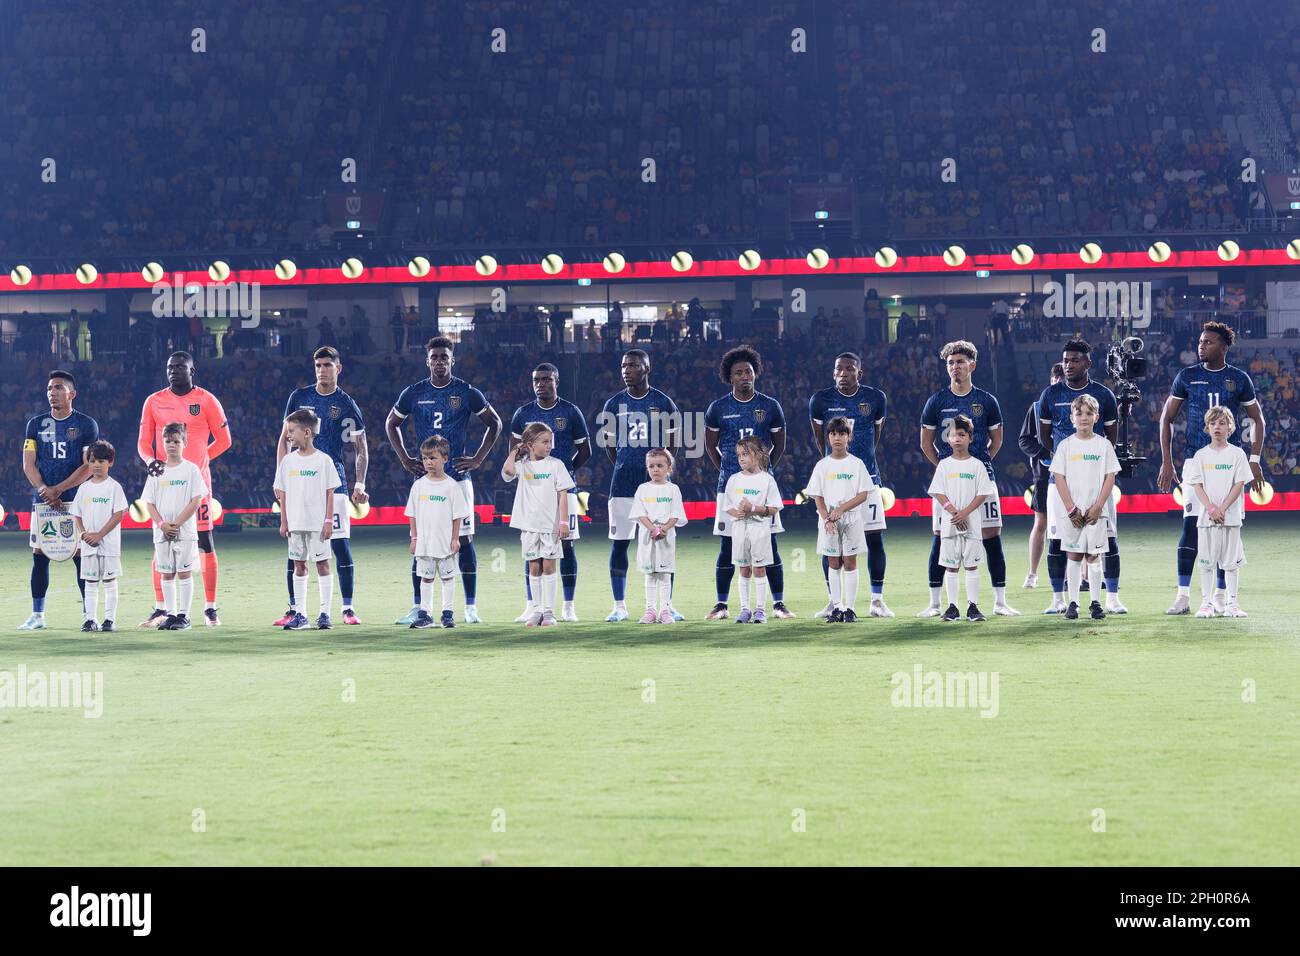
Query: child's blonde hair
[[755, 448], [531, 434], [1220, 414], [1086, 401]]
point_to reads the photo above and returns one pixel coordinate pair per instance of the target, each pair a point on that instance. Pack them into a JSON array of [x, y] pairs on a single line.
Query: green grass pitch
[[776, 744]]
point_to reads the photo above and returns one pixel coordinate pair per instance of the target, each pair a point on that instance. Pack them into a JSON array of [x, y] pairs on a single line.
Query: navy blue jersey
[[978, 405], [864, 409], [441, 410], [1200, 389], [1054, 406], [634, 426], [733, 420], [340, 422], [60, 447], [564, 418]]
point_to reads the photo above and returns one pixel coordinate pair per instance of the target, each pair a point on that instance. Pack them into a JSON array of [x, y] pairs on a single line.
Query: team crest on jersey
[[1230, 385], [760, 414], [560, 422], [335, 412], [976, 410], [194, 410], [454, 401], [73, 432], [864, 408]]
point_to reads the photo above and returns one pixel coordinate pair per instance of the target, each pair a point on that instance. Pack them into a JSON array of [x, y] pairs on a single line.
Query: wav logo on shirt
[[304, 473], [435, 497], [1085, 457], [967, 475], [538, 476], [104, 501], [177, 482], [842, 476]]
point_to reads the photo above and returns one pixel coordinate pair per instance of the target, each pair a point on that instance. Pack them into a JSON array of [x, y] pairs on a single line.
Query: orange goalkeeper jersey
[[207, 431]]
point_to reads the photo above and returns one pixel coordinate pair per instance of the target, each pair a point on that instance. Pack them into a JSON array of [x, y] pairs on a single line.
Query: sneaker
[[835, 617], [448, 619], [471, 615], [1182, 605], [89, 627], [167, 623], [422, 620], [107, 625], [1004, 610], [931, 611], [1031, 582], [1219, 602], [1058, 606], [534, 619], [758, 617], [155, 619], [825, 613], [568, 614], [35, 622], [1233, 611], [780, 610], [1096, 611], [527, 613], [350, 616], [848, 616], [618, 614], [408, 618], [1072, 612], [973, 613], [719, 612], [323, 623], [651, 616], [299, 622], [952, 614], [666, 616], [745, 616], [181, 622], [1113, 606], [210, 617], [1207, 610], [677, 615], [879, 608], [548, 619]]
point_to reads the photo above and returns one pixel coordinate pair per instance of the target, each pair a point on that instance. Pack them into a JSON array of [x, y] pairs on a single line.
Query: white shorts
[[540, 544], [872, 512], [308, 546], [436, 567], [751, 543], [653, 557], [1058, 523], [1218, 544], [575, 522], [622, 527], [851, 538], [173, 557], [342, 519], [467, 523], [987, 515], [962, 550], [1090, 539], [722, 521], [101, 567]]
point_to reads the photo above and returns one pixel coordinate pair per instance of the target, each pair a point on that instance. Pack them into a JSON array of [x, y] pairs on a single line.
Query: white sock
[[299, 592], [973, 585], [326, 584], [936, 596], [535, 582], [426, 596], [760, 593], [91, 602], [1000, 595], [1207, 582], [448, 592], [1231, 579], [549, 584], [1073, 578], [1184, 590], [950, 582], [1094, 580], [209, 605], [110, 600], [837, 588], [744, 593], [851, 589], [665, 589], [169, 595], [651, 591], [184, 595]]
